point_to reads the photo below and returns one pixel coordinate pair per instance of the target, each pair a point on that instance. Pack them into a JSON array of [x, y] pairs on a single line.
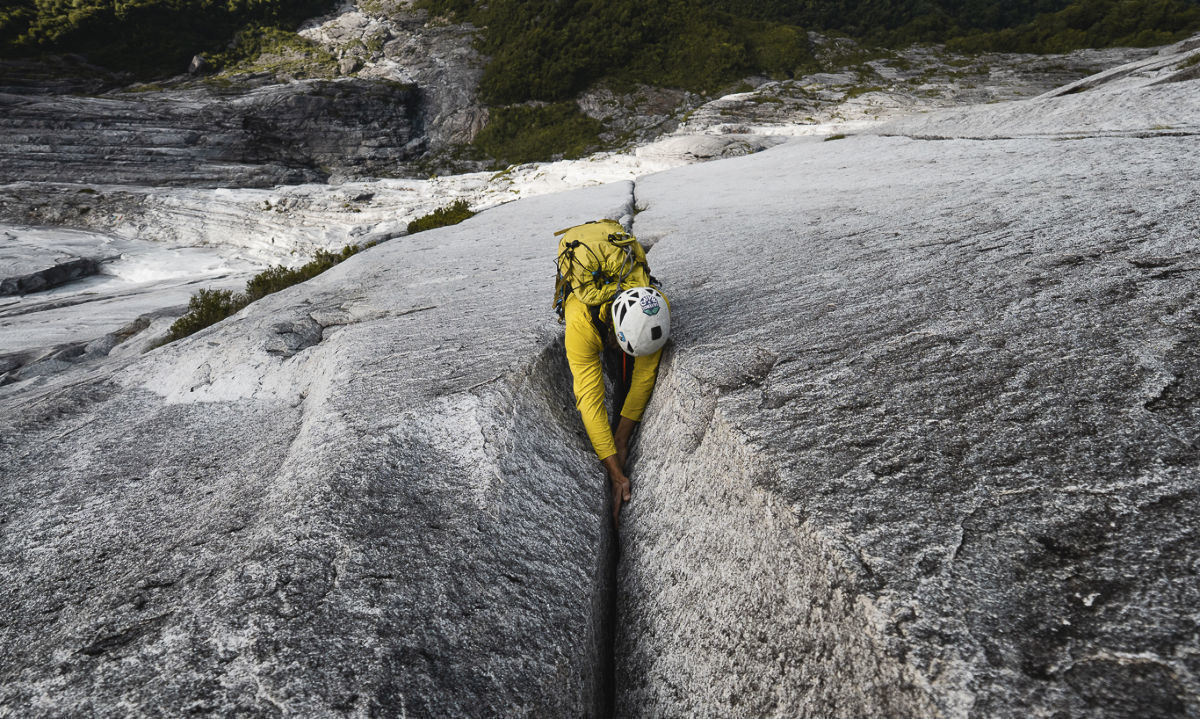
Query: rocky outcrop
[[277, 134], [396, 516], [392, 40], [1147, 97], [850, 97], [46, 278]]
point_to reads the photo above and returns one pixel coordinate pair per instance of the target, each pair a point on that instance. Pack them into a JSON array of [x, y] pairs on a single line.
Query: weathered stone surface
[[927, 442], [440, 58], [1150, 96], [400, 519], [277, 134], [926, 445]]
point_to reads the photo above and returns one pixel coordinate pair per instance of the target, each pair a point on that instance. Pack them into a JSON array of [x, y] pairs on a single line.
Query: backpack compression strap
[[562, 286]]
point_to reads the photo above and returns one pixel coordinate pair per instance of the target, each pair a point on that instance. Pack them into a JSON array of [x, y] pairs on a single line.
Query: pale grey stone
[[927, 440], [402, 519], [925, 445]]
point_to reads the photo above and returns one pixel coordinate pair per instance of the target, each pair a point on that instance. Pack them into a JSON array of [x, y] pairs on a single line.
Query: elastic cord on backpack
[[622, 241]]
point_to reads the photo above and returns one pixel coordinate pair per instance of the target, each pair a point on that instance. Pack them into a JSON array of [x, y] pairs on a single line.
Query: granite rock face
[[927, 442], [367, 495], [392, 40], [277, 134], [925, 445]]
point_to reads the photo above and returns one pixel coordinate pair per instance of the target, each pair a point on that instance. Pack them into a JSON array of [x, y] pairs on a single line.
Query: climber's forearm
[[623, 433]]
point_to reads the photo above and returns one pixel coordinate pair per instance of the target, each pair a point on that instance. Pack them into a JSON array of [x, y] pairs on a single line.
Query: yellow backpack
[[597, 260]]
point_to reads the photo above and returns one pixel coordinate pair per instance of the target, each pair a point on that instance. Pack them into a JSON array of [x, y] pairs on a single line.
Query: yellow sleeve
[[584, 346], [645, 372]]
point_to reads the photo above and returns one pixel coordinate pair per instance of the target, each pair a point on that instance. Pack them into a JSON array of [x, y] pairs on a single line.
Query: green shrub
[[779, 51], [530, 133], [208, 307], [451, 214], [277, 278]]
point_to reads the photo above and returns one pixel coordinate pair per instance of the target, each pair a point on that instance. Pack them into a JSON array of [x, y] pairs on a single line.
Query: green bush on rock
[[451, 214], [278, 277], [208, 307]]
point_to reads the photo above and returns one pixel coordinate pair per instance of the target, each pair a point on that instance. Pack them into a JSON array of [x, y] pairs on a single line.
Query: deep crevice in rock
[[608, 668]]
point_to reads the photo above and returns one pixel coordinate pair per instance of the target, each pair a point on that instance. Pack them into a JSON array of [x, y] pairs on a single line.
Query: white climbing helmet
[[642, 320]]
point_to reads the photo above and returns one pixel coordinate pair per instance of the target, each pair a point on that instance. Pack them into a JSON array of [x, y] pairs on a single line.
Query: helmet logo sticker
[[649, 304], [621, 336]]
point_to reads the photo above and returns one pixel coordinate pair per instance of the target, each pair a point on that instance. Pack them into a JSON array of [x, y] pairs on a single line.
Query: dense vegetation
[[548, 51], [526, 133], [146, 37], [208, 307], [1091, 23], [543, 53], [451, 214], [551, 49], [1028, 25]]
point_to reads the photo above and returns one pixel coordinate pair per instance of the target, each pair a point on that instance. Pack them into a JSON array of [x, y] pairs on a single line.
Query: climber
[[604, 296]]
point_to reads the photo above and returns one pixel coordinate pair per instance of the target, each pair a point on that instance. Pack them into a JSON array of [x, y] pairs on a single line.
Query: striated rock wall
[[277, 134]]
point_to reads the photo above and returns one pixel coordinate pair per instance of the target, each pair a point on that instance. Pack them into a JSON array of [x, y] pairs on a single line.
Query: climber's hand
[[619, 485], [620, 494]]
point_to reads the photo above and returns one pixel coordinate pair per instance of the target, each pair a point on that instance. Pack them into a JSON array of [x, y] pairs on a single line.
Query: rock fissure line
[[608, 668]]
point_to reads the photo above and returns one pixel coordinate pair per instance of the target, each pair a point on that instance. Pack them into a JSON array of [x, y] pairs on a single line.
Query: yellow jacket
[[584, 347]]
